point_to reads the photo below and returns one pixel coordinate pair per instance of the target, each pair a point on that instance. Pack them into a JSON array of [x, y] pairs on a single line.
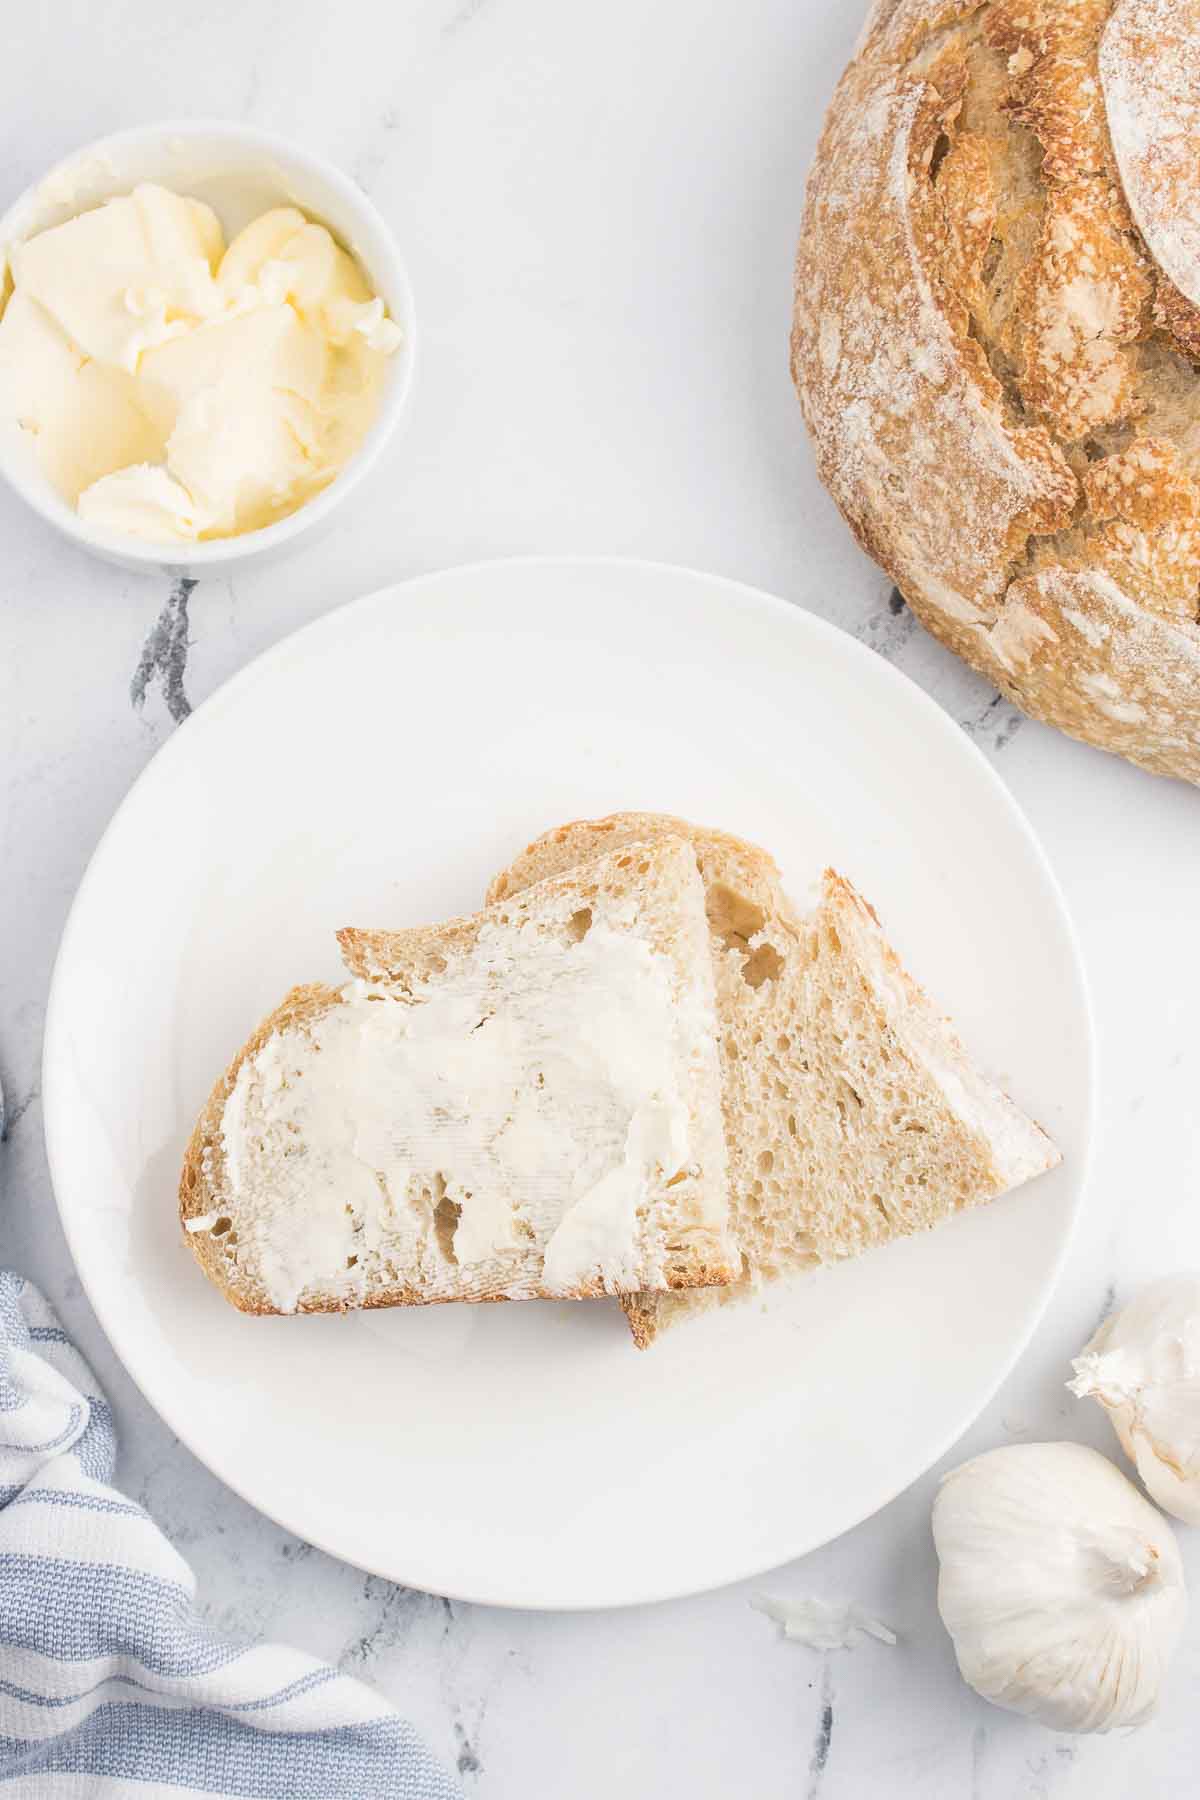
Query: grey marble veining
[[163, 660], [598, 208], [823, 1742]]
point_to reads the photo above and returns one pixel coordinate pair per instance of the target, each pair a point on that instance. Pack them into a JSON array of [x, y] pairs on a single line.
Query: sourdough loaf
[[997, 322]]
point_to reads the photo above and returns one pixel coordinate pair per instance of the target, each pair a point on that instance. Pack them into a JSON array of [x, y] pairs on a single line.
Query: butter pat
[[84, 417], [126, 274], [177, 389], [241, 408], [144, 500]]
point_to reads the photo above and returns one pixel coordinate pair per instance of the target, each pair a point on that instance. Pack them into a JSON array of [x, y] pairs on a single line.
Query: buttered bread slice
[[853, 1114], [520, 1104]]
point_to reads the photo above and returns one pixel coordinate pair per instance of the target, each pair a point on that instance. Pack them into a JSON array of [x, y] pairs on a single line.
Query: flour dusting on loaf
[[1150, 73]]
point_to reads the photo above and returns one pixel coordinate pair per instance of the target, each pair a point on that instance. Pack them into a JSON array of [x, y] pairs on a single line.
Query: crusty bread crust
[[993, 362], [693, 1215], [200, 1183], [566, 846], [852, 1113]]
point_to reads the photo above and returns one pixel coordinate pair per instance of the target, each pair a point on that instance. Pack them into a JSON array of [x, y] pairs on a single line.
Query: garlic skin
[[1143, 1366], [1061, 1587], [822, 1624]]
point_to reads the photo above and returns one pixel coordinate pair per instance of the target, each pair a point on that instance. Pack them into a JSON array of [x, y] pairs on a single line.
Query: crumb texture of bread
[[995, 340], [520, 1104], [852, 1114]]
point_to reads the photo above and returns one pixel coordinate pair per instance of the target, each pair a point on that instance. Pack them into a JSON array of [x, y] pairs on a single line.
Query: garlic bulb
[[1061, 1587], [1143, 1366]]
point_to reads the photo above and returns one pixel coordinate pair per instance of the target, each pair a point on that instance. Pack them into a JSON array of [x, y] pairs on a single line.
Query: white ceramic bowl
[[240, 172]]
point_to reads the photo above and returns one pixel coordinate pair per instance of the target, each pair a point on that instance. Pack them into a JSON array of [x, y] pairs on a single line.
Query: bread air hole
[[222, 1226], [446, 1215], [938, 154], [579, 924], [763, 964], [732, 917], [849, 1102]]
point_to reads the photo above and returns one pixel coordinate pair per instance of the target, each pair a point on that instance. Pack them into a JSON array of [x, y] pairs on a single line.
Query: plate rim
[[55, 1124]]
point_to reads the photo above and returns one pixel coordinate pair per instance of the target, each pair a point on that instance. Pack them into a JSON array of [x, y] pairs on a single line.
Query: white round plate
[[377, 769]]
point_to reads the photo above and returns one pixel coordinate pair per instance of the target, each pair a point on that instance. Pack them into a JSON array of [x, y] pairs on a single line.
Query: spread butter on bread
[[520, 1104], [852, 1113]]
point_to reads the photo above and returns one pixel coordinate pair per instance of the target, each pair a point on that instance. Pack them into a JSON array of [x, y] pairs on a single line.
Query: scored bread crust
[[808, 1006], [993, 361], [689, 1213]]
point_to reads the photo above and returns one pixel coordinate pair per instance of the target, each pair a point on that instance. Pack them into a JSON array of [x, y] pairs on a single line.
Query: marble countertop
[[598, 206]]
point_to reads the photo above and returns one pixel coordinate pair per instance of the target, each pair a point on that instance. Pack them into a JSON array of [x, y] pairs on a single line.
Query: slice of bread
[[520, 1104], [852, 1112]]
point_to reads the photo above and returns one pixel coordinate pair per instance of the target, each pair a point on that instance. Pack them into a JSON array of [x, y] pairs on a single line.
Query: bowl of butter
[[206, 339]]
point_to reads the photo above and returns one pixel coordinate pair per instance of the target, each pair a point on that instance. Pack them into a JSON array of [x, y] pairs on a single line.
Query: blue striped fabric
[[107, 1675]]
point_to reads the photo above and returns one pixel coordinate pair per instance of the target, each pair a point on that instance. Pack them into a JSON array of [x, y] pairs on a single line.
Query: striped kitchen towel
[[110, 1684]]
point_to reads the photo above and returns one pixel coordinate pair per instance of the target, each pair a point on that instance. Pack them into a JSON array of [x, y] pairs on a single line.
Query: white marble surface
[[598, 206]]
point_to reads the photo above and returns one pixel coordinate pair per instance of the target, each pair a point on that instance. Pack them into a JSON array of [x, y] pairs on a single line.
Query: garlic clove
[[1061, 1587], [1143, 1366]]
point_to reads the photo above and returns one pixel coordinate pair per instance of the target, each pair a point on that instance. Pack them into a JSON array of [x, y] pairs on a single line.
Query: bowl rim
[[386, 260]]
